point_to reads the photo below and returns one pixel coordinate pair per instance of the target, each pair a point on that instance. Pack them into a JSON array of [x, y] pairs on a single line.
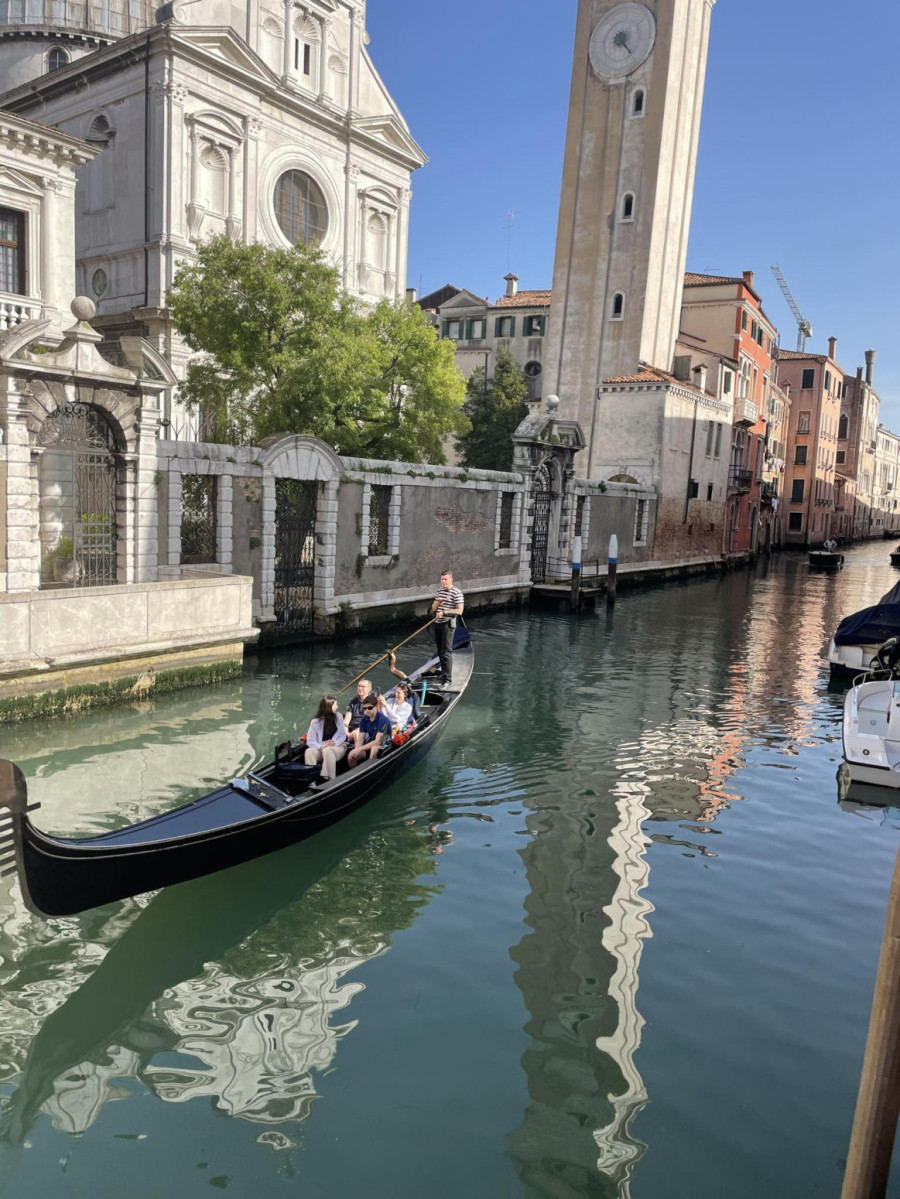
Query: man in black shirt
[[354, 713]]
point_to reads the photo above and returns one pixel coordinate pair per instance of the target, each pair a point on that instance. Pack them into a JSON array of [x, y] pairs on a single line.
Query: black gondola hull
[[61, 876]]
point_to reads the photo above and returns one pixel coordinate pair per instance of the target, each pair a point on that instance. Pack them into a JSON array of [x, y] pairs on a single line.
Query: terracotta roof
[[795, 354], [647, 374], [526, 299], [692, 280]]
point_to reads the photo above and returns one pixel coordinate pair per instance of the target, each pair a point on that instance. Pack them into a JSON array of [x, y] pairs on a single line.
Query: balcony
[[739, 480], [746, 412], [16, 309], [769, 490]]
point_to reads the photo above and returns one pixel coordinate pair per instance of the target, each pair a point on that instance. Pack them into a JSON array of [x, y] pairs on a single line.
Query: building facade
[[857, 448], [38, 167], [269, 123], [726, 315], [518, 321], [887, 480], [811, 496]]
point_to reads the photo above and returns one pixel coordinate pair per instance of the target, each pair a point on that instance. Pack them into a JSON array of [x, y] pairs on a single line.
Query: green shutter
[[498, 325], [445, 325], [512, 326]]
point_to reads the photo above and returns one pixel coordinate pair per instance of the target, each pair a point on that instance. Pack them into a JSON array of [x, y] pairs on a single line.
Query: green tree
[[280, 348], [495, 408]]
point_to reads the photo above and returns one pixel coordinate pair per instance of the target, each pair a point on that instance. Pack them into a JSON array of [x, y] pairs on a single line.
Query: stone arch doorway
[[78, 493]]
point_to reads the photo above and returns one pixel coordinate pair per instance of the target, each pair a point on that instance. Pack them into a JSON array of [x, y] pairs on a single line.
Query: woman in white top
[[326, 738], [399, 710]]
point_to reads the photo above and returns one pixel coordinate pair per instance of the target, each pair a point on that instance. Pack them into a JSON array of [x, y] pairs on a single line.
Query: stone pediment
[[15, 181], [389, 130], [225, 47], [465, 299]]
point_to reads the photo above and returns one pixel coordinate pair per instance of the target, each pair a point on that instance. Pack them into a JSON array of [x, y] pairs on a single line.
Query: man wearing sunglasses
[[373, 731]]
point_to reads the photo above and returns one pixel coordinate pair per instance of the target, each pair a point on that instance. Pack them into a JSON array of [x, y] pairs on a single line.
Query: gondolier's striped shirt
[[449, 597]]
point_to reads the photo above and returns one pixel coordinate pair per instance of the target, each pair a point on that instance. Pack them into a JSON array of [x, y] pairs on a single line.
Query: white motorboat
[[871, 724]]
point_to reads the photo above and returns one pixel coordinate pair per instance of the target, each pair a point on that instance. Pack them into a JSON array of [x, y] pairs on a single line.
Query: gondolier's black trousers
[[443, 639]]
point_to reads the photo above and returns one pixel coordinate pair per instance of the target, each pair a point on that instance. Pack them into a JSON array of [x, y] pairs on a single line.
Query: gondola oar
[[363, 673]]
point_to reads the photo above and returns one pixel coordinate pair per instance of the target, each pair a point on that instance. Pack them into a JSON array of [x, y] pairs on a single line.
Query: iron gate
[[86, 550], [295, 554], [540, 531]]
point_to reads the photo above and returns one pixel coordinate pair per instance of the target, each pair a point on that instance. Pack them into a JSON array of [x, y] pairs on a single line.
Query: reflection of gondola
[[244, 819], [169, 943]]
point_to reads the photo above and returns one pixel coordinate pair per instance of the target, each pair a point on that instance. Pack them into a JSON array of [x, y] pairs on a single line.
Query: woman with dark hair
[[326, 738]]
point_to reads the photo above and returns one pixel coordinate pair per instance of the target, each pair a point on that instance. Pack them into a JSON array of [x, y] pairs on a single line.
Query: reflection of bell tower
[[631, 151]]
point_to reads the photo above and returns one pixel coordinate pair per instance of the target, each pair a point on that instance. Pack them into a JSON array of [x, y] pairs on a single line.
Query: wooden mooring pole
[[611, 569], [576, 574], [878, 1104]]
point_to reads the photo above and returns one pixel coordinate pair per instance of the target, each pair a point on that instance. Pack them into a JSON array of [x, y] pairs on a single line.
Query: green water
[[615, 937]]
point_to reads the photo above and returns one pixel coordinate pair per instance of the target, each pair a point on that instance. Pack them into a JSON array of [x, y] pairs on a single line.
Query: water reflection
[[586, 753], [200, 997]]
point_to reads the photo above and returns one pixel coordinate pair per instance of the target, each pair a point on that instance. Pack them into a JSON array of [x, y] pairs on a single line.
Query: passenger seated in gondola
[[373, 732], [413, 694], [399, 708], [326, 739], [354, 713]]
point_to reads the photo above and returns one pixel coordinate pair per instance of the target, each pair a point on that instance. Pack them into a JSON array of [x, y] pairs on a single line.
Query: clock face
[[532, 369], [622, 40]]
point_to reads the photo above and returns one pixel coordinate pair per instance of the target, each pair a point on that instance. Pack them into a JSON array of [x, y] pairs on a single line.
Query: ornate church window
[[57, 59], [300, 208], [12, 251]]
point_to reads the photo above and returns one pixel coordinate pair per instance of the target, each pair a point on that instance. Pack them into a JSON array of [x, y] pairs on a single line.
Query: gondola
[[277, 805]]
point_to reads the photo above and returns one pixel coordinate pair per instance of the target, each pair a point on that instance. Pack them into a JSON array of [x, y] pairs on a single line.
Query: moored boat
[[895, 556], [858, 636], [277, 805], [825, 560], [871, 723]]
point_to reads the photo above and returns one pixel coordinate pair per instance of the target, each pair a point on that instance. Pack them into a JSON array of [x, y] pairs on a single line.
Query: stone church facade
[[268, 122]]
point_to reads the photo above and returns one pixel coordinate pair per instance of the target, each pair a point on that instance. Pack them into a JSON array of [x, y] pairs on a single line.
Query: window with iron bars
[[379, 521], [507, 499], [198, 518]]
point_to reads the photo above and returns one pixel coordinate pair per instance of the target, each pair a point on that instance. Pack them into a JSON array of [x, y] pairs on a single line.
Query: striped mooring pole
[[611, 569], [576, 574]]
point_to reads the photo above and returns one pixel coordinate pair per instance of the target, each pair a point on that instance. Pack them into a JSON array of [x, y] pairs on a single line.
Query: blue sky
[[798, 154]]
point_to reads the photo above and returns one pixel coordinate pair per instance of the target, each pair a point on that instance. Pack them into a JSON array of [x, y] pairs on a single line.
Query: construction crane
[[804, 328]]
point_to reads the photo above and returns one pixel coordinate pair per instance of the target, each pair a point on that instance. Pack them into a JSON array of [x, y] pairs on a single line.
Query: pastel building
[[856, 452], [725, 313], [816, 383]]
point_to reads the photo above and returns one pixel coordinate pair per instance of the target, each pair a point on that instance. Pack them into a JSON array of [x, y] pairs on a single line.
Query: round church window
[[99, 282], [300, 208]]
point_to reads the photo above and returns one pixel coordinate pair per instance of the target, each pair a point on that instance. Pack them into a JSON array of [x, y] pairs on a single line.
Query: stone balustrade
[[16, 309]]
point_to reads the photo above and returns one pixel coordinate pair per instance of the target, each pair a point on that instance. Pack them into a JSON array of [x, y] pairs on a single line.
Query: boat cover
[[872, 625]]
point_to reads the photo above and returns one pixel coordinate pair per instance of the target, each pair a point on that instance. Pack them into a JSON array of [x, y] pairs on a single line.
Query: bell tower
[[628, 179]]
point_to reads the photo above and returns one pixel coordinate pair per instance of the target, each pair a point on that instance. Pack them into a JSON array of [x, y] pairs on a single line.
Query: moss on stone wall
[[70, 701]]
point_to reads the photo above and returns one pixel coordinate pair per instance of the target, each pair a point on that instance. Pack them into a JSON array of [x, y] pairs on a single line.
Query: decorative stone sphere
[[552, 403], [83, 308]]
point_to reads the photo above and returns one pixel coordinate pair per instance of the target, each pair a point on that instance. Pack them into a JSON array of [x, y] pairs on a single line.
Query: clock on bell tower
[[625, 209]]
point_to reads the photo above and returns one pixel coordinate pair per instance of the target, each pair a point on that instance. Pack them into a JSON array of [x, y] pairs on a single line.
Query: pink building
[[817, 385]]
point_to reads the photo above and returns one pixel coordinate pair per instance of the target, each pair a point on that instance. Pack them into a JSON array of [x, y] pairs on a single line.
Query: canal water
[[615, 937]]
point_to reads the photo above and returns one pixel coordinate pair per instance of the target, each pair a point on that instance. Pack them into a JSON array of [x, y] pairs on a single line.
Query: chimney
[[512, 285], [700, 373], [411, 295], [748, 278], [859, 374], [870, 362], [786, 388], [832, 348]]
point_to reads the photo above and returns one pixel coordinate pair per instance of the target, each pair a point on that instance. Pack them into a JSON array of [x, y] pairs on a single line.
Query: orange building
[[725, 313]]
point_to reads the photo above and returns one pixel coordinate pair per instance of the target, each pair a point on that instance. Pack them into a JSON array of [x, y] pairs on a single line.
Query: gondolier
[[447, 604]]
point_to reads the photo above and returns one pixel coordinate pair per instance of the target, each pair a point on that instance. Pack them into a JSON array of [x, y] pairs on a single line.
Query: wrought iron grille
[[198, 518], [540, 532], [296, 503], [506, 515], [85, 553], [379, 521]]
